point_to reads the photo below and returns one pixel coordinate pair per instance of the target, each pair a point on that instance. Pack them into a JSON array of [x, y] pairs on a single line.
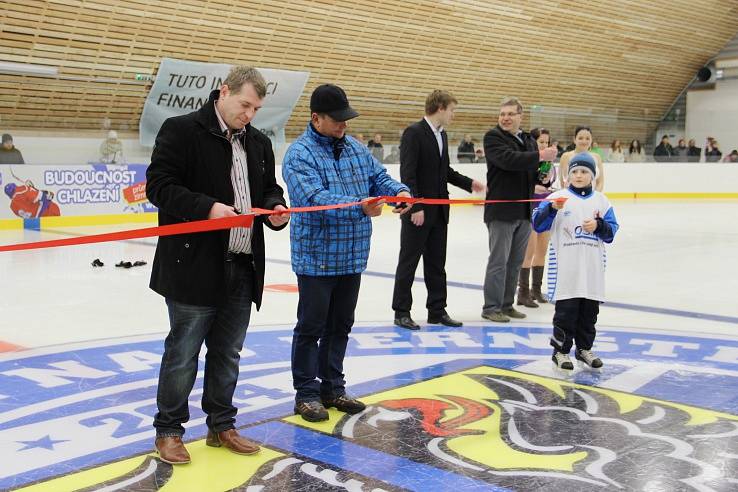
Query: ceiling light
[[28, 69]]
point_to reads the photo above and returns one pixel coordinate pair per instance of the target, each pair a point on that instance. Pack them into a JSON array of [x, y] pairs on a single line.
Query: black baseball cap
[[331, 100]]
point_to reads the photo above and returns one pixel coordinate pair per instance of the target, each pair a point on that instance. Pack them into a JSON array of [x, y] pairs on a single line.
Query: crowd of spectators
[[689, 152], [111, 151], [468, 151], [684, 151]]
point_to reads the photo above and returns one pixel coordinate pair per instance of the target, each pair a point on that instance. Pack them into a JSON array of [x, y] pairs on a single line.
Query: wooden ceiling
[[617, 65]]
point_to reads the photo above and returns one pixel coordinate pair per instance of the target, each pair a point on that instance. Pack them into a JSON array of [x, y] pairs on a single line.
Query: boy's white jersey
[[577, 258]]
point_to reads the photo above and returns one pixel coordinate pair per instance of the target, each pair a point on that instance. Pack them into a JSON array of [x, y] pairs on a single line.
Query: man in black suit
[[208, 164], [425, 169], [512, 166]]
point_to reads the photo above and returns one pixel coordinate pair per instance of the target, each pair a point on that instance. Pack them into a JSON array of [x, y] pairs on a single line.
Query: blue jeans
[[223, 329], [325, 315]]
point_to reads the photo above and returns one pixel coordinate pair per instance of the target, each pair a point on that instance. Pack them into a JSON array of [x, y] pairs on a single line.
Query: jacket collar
[[585, 191], [207, 118], [522, 142], [520, 133], [430, 134], [319, 137], [430, 126], [336, 144]]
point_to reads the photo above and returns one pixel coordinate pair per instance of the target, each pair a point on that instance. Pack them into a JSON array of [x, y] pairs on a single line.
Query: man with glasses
[[512, 166], [330, 248]]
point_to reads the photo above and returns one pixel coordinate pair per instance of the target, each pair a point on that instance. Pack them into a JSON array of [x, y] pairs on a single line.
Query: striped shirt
[[240, 239]]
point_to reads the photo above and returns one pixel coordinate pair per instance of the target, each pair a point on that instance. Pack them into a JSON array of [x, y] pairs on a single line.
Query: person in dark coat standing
[[9, 153], [209, 164], [693, 152], [425, 169], [664, 152], [465, 151], [512, 167]]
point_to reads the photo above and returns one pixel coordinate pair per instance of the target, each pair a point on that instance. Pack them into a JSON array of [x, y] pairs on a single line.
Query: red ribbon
[[168, 230], [245, 220]]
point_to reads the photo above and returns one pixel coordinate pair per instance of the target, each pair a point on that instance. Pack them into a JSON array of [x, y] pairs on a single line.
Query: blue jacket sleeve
[[607, 226], [382, 183], [306, 188], [543, 217]]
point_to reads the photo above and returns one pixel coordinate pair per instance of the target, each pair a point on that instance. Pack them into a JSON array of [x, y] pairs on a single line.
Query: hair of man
[[438, 100], [512, 101], [241, 74]]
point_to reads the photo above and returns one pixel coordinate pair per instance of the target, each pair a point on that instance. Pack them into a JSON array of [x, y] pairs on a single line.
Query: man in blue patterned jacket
[[330, 249]]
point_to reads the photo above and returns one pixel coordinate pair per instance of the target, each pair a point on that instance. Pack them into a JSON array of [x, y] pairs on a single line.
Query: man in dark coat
[[9, 153], [425, 169], [512, 166], [209, 164], [465, 151], [664, 152]]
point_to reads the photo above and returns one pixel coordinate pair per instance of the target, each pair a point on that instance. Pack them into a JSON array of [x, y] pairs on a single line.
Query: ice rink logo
[[82, 406]]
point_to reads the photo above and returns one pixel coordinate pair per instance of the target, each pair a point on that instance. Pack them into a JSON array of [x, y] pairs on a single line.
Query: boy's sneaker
[[562, 360], [312, 411], [589, 358]]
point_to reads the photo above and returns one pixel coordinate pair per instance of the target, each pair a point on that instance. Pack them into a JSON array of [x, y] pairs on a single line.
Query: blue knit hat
[[585, 160]]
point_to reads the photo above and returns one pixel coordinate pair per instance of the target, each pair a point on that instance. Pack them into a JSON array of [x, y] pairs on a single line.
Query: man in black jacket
[[512, 166], [425, 169], [209, 164], [9, 153], [664, 152], [465, 151]]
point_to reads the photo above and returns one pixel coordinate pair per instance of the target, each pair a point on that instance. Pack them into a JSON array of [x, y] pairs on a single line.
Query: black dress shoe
[[444, 319], [406, 322]]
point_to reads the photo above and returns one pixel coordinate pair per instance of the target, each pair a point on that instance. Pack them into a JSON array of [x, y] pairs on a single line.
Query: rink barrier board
[[148, 217]]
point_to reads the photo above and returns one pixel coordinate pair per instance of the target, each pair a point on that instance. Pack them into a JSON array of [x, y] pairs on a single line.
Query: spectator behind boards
[[111, 149], [9, 154]]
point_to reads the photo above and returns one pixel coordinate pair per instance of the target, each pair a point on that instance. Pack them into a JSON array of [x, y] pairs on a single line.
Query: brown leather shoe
[[172, 450], [231, 440]]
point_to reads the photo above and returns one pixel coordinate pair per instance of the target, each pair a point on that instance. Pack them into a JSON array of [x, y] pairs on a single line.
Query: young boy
[[580, 227]]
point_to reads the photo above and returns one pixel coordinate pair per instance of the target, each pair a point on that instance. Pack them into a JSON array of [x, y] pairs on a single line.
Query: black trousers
[[428, 241], [574, 322]]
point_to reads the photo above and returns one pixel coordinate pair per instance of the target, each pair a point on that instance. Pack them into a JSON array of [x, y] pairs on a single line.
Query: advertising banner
[[95, 189], [184, 86]]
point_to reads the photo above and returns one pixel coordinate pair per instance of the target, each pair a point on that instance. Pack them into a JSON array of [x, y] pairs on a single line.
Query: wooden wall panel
[[616, 65]]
